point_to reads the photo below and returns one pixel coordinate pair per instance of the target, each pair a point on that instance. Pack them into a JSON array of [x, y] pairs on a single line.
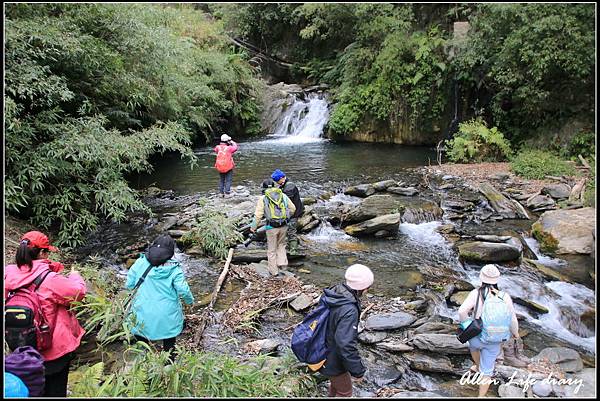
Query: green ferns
[[475, 143]]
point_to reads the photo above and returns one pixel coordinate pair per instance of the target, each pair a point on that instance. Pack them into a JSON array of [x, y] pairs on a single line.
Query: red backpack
[[25, 323], [224, 161]]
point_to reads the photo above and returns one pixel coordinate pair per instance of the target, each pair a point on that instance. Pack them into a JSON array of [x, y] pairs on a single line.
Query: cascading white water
[[327, 233], [543, 259], [303, 121]]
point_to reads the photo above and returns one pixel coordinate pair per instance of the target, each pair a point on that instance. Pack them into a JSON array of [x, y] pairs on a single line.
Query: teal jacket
[[156, 306]]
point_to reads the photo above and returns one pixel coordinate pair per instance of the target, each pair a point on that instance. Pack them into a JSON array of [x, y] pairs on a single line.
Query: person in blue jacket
[[14, 386], [156, 310]]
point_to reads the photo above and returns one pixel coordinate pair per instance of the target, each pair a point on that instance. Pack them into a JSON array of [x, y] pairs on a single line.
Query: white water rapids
[[566, 302]]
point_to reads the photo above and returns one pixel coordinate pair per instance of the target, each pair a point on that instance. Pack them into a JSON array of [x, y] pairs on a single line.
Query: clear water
[[320, 162]]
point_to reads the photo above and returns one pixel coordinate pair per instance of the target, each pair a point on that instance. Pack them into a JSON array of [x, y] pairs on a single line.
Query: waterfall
[[303, 120]]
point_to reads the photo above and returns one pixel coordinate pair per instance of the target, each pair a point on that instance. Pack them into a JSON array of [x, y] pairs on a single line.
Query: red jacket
[[231, 149], [56, 294]]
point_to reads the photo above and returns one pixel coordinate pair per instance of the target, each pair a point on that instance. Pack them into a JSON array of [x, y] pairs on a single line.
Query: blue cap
[[14, 386], [277, 175]]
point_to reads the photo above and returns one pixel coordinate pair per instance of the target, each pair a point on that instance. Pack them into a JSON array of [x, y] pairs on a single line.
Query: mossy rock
[[548, 244]]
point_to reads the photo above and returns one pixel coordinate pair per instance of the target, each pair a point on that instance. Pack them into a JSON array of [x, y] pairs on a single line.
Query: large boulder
[[538, 203], [404, 191], [307, 222], [440, 343], [372, 337], [383, 185], [388, 222], [510, 391], [566, 231], [458, 298], [430, 363], [389, 321], [505, 207], [491, 252], [362, 190], [373, 206], [567, 359], [557, 191], [423, 213], [583, 384]]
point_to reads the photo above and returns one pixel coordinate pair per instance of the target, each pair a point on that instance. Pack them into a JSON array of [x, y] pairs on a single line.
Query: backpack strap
[[141, 280], [477, 303], [39, 279], [127, 302]]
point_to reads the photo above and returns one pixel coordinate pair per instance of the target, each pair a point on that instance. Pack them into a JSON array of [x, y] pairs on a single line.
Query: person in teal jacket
[[156, 309]]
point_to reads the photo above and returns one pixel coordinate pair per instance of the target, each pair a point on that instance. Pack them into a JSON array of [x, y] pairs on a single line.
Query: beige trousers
[[276, 252]]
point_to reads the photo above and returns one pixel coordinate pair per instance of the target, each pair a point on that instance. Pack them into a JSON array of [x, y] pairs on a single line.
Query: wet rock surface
[[389, 321], [479, 251], [567, 231]]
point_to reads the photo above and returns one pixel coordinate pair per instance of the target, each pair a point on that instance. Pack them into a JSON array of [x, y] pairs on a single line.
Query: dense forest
[[98, 89]]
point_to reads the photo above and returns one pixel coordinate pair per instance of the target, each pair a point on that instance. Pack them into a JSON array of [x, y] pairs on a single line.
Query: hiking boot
[[510, 356]]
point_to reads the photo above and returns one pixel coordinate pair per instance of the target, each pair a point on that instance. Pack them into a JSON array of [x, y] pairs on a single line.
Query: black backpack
[[24, 320]]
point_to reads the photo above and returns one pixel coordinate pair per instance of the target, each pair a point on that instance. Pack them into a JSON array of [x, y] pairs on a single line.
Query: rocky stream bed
[[425, 234]]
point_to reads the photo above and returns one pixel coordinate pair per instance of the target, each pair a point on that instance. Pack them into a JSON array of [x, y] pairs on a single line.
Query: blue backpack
[[496, 318], [309, 341]]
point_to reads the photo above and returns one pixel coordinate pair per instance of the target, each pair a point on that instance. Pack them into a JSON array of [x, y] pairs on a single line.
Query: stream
[[321, 169]]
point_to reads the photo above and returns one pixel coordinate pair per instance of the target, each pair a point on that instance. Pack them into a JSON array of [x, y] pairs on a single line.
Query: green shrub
[[475, 143], [536, 164], [102, 311], [583, 143], [214, 232], [147, 373]]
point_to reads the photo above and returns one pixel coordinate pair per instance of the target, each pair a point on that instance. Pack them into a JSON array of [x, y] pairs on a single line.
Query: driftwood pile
[[259, 295]]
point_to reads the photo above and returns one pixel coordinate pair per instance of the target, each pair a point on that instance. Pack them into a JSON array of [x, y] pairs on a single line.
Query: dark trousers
[[57, 376], [168, 345], [225, 180]]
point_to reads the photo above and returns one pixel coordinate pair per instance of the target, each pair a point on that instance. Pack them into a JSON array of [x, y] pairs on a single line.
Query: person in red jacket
[[56, 293], [224, 164]]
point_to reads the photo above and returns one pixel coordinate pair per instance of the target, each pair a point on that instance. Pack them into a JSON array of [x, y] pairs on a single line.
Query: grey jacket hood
[[340, 295]]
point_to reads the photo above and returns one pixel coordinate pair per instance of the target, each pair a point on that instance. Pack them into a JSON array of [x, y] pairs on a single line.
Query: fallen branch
[[577, 193], [207, 314], [221, 279], [362, 315], [584, 162]]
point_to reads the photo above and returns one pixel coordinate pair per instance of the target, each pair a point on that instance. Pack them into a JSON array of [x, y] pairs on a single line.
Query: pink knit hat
[[489, 274], [359, 277]]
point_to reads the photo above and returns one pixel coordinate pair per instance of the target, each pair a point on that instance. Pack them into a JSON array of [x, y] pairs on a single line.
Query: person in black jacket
[[292, 192], [343, 360]]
